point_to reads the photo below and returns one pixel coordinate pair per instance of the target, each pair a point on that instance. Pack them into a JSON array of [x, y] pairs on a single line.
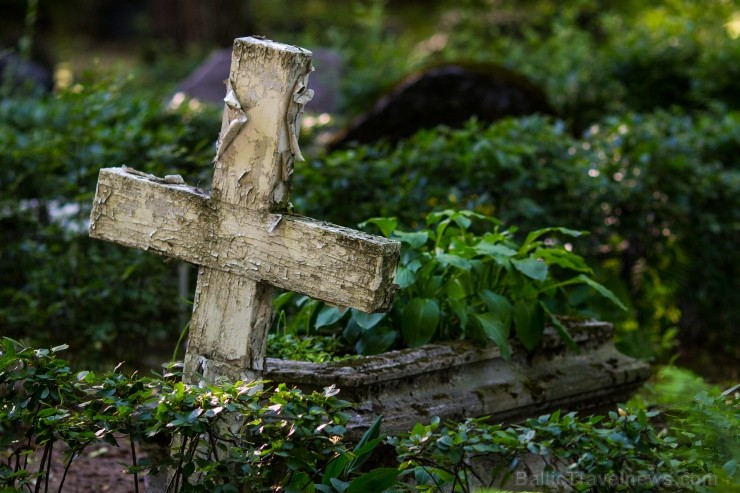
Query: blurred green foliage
[[659, 192], [58, 285], [592, 58]]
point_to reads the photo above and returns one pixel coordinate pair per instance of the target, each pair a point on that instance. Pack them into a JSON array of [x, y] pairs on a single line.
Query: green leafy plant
[[456, 283], [623, 451], [231, 435], [316, 348], [678, 434], [227, 435]]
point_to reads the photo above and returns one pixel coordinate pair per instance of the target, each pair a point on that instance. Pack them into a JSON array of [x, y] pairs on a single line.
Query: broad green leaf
[[194, 414], [560, 328], [460, 308], [528, 322], [366, 320], [462, 221], [532, 268], [422, 476], [362, 450], [335, 468], [441, 227], [495, 250], [500, 305], [474, 331], [329, 315], [457, 289], [430, 288], [282, 299], [387, 225], [436, 216], [531, 237], [461, 249], [563, 258], [375, 481], [339, 485], [302, 300], [299, 482], [415, 239], [9, 346], [404, 277], [495, 330], [414, 265], [352, 331], [477, 215], [375, 340], [419, 321], [602, 290], [446, 259]]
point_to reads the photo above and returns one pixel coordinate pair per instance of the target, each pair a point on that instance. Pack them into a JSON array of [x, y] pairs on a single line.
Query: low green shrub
[[623, 451], [219, 438]]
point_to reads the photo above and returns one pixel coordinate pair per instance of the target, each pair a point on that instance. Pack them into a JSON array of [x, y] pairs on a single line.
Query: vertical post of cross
[[265, 94]]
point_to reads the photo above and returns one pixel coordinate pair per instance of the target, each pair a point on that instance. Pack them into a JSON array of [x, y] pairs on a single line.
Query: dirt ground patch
[[100, 468]]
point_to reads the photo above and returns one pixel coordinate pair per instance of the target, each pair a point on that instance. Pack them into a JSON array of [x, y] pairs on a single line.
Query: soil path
[[100, 468]]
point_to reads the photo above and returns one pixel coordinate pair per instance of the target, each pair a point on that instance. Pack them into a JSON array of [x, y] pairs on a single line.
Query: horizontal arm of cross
[[324, 261]]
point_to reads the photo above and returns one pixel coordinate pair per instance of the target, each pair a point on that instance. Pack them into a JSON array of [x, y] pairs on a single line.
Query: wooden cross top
[[241, 235]]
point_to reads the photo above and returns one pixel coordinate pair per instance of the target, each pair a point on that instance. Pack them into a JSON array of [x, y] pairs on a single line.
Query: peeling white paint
[[241, 235]]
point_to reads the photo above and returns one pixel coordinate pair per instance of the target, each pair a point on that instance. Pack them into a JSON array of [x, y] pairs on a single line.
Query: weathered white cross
[[241, 235]]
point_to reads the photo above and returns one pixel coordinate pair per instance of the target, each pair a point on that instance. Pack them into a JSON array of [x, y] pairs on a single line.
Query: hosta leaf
[[329, 315], [462, 221], [563, 258], [387, 225], [531, 237], [602, 290], [495, 330], [528, 322], [460, 309], [404, 277], [500, 305], [486, 248], [375, 340], [457, 289], [532, 268], [415, 239], [446, 259], [419, 321], [335, 468], [366, 320], [560, 328], [374, 481]]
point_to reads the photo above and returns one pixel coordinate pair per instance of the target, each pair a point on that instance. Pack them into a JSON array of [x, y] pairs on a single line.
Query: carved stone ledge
[[460, 379]]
